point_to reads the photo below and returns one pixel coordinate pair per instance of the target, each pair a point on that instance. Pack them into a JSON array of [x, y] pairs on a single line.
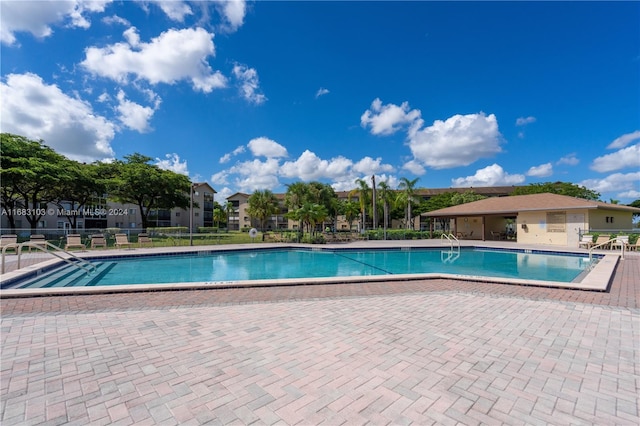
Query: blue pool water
[[243, 265]]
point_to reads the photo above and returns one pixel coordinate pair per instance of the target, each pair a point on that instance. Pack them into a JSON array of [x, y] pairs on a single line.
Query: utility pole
[[373, 195]]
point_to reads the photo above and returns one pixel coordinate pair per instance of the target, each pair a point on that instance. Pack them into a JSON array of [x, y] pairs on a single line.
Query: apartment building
[[100, 213]]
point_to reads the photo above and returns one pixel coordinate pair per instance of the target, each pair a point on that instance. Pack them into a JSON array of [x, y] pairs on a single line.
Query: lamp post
[[191, 213]]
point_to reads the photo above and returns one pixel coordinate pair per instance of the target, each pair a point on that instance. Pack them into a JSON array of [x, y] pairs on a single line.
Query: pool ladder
[[86, 266], [451, 239], [454, 252]]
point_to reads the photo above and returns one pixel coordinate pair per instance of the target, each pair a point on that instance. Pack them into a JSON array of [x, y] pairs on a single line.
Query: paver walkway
[[422, 352]]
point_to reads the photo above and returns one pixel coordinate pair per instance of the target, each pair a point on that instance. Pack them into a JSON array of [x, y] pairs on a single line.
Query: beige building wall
[[552, 227]]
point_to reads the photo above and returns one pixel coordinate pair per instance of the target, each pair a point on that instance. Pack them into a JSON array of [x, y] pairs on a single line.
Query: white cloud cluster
[[570, 160], [37, 17], [493, 175], [523, 121], [175, 55], [389, 118], [172, 162], [135, 116], [227, 157], [624, 140], [458, 141], [624, 184], [175, 10], [233, 13], [265, 147], [321, 92], [255, 173], [248, 84], [624, 158], [37, 110], [543, 170]]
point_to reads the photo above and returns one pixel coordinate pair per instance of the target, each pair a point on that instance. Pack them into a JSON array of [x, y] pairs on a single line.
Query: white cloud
[[414, 167], [37, 110], [115, 19], [633, 194], [256, 174], [175, 55], [248, 84], [176, 10], [369, 166], [267, 148], [308, 167], [321, 91], [458, 141], [37, 17], [522, 121], [222, 194], [627, 157], [624, 140], [389, 118], [135, 116], [570, 160], [233, 13], [493, 175], [172, 162], [618, 183], [543, 170], [227, 157]]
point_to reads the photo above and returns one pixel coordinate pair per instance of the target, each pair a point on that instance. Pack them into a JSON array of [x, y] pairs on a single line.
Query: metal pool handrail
[[622, 247], [86, 266], [451, 238]]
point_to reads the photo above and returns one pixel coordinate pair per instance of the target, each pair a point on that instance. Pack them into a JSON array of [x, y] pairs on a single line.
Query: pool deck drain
[[422, 352]]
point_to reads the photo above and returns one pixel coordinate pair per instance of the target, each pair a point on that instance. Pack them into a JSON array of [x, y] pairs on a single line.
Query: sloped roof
[[521, 203]]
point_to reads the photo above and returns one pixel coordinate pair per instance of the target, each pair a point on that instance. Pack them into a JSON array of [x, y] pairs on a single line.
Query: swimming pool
[[214, 267]]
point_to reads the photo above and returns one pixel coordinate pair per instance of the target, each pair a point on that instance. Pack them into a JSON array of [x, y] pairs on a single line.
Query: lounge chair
[[143, 239], [602, 239], [10, 241], [633, 247], [74, 241], [586, 241], [122, 240], [38, 240], [98, 240], [620, 242]]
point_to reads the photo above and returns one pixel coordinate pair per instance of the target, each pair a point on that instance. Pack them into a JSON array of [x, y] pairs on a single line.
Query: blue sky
[[256, 95]]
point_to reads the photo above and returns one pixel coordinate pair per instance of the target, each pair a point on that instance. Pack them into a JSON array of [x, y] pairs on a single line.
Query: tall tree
[[262, 205], [561, 188], [147, 186], [351, 211], [364, 200], [408, 197], [31, 173], [79, 185], [386, 196]]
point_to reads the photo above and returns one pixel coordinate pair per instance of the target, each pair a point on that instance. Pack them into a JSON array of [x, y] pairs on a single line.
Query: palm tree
[[262, 205], [218, 216], [363, 198], [310, 214], [408, 196], [228, 208], [351, 211], [385, 196]]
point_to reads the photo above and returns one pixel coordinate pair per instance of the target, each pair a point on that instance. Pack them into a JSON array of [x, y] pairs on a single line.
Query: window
[[556, 222], [177, 214]]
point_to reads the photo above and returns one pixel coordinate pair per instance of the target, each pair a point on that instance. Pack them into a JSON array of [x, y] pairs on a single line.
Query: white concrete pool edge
[[598, 279]]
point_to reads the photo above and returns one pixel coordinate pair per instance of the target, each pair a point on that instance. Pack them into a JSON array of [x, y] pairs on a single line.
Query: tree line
[[33, 175]]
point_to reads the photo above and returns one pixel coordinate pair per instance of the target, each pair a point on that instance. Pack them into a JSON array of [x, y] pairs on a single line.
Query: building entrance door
[[575, 223]]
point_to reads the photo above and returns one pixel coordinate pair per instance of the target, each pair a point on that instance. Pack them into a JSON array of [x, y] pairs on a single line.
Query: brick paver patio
[[422, 352]]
